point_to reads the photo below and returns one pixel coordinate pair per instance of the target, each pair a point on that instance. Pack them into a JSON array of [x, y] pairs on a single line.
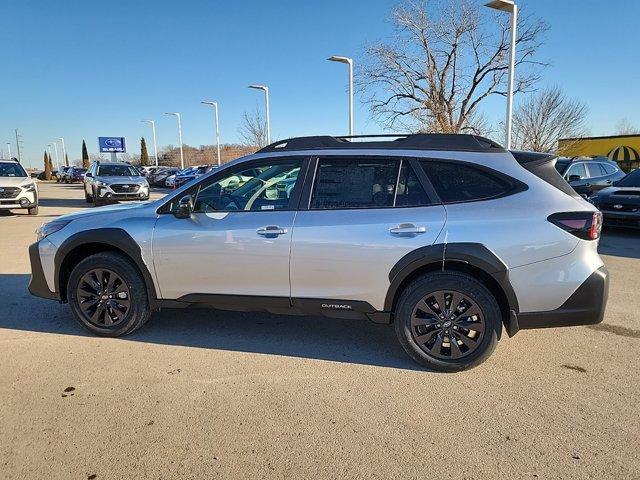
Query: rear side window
[[609, 169], [410, 192], [595, 170], [457, 182], [354, 183]]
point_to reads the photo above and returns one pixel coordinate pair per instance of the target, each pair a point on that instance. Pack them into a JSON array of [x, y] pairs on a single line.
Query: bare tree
[[447, 56], [545, 117], [625, 127], [253, 130]]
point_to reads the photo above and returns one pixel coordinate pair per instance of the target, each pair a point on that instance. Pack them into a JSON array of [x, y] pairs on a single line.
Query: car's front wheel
[[447, 321], [107, 295], [33, 210]]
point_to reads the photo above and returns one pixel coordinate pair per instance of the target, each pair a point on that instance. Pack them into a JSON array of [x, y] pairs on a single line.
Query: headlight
[[30, 187], [52, 227], [101, 184]]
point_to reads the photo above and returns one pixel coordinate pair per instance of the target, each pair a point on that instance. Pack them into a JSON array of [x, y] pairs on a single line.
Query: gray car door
[[362, 216], [237, 240]]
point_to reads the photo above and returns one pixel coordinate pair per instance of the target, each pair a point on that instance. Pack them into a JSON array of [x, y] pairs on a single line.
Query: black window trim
[[517, 186], [305, 202], [294, 200]]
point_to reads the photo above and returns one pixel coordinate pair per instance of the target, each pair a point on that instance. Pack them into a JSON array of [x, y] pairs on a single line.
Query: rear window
[[457, 182]]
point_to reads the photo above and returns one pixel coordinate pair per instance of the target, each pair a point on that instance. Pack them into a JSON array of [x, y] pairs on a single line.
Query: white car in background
[[17, 189]]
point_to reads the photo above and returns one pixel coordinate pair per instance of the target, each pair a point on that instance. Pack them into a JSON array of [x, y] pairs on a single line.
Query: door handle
[[271, 231], [407, 229], [609, 181]]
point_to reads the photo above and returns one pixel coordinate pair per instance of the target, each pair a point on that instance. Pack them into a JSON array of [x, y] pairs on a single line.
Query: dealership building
[[624, 149]]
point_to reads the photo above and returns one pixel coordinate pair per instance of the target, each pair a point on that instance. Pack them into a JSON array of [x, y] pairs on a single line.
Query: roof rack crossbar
[[416, 141]]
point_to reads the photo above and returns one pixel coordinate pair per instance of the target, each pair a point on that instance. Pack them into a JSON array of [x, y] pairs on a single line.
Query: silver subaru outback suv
[[109, 182], [450, 238]]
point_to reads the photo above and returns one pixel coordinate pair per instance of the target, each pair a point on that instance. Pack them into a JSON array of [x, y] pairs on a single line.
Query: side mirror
[[185, 207], [88, 175], [574, 178]]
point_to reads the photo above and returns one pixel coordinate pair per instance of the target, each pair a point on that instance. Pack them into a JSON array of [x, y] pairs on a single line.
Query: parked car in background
[[74, 174], [17, 189], [588, 175], [158, 177], [107, 182], [146, 171], [620, 204], [192, 174], [425, 232], [60, 174]]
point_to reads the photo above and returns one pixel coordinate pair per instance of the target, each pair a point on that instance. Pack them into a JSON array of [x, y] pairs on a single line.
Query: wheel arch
[[83, 244], [474, 259]]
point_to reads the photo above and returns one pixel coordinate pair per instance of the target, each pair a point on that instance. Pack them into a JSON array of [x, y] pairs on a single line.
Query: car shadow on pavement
[[64, 202], [351, 341], [620, 243]]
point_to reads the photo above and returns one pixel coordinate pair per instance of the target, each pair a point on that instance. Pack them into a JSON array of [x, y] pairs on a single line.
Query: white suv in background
[[449, 237], [17, 189]]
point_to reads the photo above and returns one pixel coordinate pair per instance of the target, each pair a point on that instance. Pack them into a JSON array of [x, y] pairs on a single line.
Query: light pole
[[215, 106], [55, 145], [177, 115], [9, 149], [510, 7], [49, 149], [64, 151], [349, 62], [265, 89], [155, 144]]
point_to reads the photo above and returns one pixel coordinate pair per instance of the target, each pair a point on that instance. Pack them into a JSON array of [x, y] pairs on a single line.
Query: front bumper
[[106, 193], [585, 306], [22, 200], [38, 283]]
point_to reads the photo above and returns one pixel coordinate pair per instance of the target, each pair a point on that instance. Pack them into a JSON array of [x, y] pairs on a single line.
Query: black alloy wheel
[[447, 324], [103, 297]]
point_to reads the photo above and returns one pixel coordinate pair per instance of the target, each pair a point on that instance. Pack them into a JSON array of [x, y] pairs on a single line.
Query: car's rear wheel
[[107, 295], [447, 321]]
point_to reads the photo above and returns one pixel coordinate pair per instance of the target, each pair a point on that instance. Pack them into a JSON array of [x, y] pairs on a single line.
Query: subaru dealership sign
[[112, 144]]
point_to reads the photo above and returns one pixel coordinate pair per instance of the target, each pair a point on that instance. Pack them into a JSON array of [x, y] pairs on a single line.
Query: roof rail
[[416, 141]]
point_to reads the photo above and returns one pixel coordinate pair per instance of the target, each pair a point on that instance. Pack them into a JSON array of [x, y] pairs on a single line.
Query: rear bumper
[[38, 283], [585, 306]]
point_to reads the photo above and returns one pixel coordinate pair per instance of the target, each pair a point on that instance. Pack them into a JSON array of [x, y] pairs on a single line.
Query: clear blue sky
[[80, 69]]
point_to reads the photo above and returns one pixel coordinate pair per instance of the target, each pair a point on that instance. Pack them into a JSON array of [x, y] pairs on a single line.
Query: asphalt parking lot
[[213, 394]]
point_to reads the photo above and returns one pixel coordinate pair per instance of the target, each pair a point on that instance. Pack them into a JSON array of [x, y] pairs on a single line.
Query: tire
[[138, 311], [88, 198], [426, 343], [33, 210]]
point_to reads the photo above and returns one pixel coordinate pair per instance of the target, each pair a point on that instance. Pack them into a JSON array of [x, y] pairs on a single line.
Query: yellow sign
[[624, 149]]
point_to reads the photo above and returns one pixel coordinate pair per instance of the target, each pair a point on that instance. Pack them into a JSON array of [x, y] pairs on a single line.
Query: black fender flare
[[112, 237], [474, 254]]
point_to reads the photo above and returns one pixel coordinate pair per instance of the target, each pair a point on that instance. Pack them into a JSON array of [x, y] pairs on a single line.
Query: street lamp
[[9, 149], [55, 145], [64, 151], [510, 7], [155, 145], [265, 89], [349, 62], [177, 115], [215, 106]]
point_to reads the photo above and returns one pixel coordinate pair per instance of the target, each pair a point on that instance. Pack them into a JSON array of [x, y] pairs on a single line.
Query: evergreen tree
[[85, 156], [47, 167], [51, 167], [66, 160], [144, 156]]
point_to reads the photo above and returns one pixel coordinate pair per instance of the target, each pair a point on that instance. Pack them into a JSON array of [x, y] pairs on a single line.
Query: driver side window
[[267, 186]]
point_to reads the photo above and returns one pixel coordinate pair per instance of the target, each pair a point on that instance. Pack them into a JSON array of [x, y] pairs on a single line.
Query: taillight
[[585, 225]]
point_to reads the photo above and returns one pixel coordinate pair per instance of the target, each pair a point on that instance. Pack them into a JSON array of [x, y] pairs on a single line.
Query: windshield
[[117, 171], [631, 180], [12, 170]]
